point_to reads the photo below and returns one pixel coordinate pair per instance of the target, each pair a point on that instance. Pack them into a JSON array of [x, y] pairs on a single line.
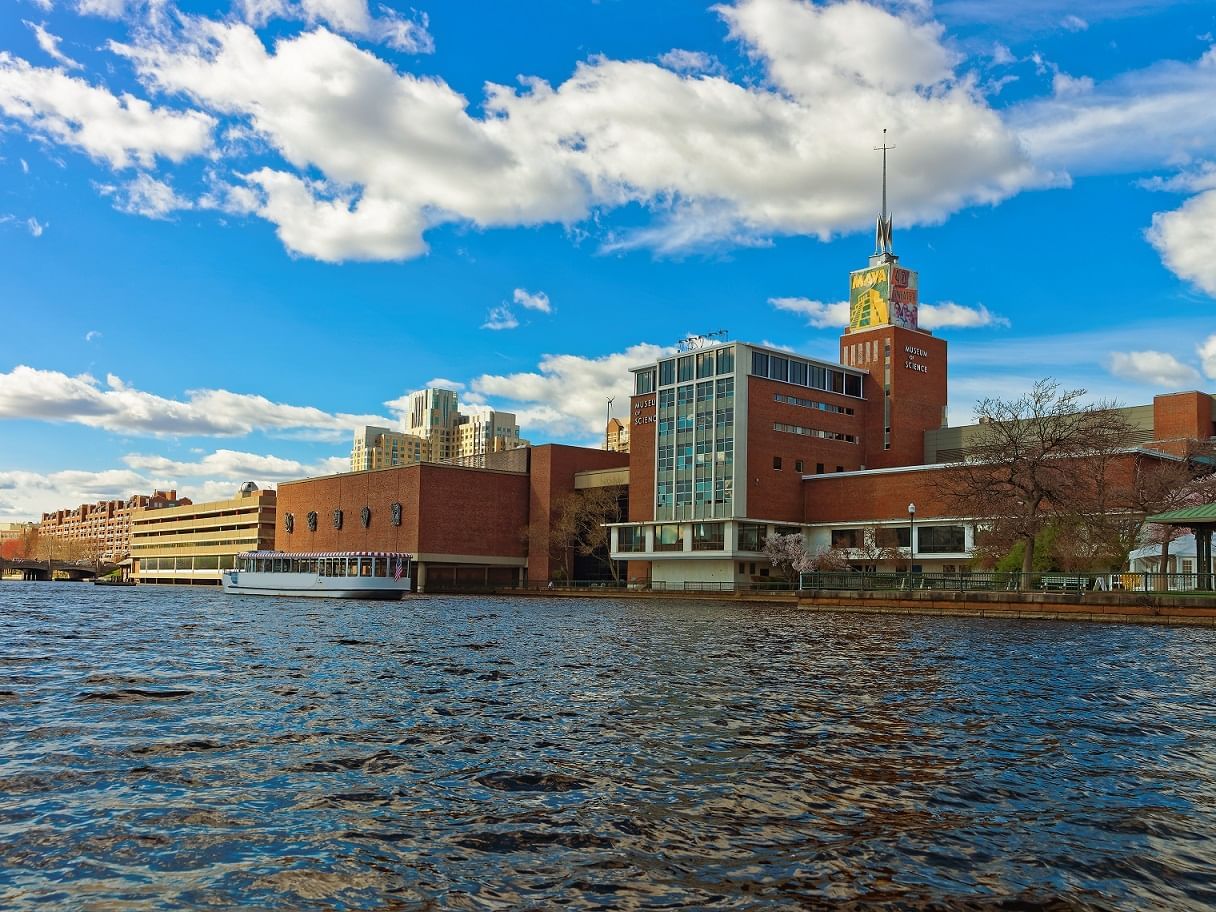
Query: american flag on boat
[[398, 569]]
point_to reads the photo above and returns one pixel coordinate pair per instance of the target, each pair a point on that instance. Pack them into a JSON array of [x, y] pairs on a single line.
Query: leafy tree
[[789, 555]]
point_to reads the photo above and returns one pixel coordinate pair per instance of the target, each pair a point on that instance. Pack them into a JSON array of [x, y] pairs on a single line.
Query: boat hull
[[312, 585]]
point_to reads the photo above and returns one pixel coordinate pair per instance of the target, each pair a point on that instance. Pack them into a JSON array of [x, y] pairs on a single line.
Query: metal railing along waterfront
[[1063, 581], [646, 585]]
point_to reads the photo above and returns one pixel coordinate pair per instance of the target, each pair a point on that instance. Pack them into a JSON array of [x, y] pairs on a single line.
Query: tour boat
[[321, 574]]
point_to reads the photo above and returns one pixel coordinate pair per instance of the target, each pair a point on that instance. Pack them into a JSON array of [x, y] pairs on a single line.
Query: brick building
[[732, 443], [102, 531], [465, 525]]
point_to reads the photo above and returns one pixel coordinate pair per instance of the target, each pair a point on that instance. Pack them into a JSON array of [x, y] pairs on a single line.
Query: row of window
[[929, 539], [706, 536], [813, 432], [698, 366], [700, 392], [198, 562], [813, 404], [800, 373]]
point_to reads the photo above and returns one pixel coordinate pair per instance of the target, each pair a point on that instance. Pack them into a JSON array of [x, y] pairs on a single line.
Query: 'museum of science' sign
[[638, 406], [911, 353]]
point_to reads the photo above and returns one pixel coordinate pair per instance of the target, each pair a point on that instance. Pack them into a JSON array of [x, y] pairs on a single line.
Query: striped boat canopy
[[321, 555]]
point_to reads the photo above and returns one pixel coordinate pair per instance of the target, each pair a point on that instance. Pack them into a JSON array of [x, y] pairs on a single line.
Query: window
[[787, 530], [751, 536], [779, 368], [846, 538], [631, 539], [666, 457], [667, 398], [799, 465], [940, 540], [798, 372], [852, 385], [726, 360], [819, 468], [760, 364], [667, 538], [705, 392], [708, 536], [726, 388], [643, 382], [685, 394], [705, 365], [685, 372], [776, 462], [684, 491], [667, 372], [813, 404], [839, 468], [813, 432], [684, 456], [665, 493], [891, 536]]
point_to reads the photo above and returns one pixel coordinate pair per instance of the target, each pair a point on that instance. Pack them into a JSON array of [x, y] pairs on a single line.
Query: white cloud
[[35, 227], [350, 17], [1185, 239], [147, 196], [1064, 85], [500, 317], [25, 166], [1140, 119], [373, 158], [533, 300], [121, 130], [28, 393], [1154, 367], [690, 61], [567, 395], [1207, 356], [947, 314], [236, 466], [817, 313], [92, 335], [109, 9], [1074, 23], [930, 316], [443, 383], [50, 45], [1200, 176]]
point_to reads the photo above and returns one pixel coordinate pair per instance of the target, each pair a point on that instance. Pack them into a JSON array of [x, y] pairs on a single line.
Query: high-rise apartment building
[[435, 431], [616, 439], [380, 448]]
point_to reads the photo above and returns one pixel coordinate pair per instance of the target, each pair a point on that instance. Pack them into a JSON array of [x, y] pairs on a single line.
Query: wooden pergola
[[1201, 520]]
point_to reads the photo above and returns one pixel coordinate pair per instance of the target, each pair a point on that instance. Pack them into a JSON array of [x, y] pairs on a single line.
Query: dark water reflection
[[168, 749]]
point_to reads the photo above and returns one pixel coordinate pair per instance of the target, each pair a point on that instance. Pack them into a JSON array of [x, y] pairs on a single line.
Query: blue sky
[[232, 231]]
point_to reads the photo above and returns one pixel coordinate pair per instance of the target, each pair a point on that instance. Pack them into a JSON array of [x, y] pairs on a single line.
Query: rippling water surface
[[166, 748]]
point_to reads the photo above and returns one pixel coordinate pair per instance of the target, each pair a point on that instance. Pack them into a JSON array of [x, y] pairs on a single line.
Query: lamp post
[[911, 541], [607, 422]]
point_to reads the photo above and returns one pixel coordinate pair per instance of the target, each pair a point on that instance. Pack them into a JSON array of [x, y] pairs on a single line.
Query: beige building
[[617, 437], [192, 544], [435, 431], [102, 531], [382, 448]]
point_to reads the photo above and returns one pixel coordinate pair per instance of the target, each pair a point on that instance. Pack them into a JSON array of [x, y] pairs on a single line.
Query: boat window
[[365, 566]]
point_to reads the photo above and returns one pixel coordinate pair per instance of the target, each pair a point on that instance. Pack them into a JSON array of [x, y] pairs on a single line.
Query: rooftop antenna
[[882, 235]]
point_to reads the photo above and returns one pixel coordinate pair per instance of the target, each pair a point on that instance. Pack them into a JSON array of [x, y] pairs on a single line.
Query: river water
[[179, 748]]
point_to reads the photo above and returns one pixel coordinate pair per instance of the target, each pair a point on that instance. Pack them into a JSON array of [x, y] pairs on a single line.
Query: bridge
[[43, 570]]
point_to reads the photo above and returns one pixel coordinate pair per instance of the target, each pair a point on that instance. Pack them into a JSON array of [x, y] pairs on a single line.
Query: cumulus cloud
[[681, 61], [957, 316], [1185, 239], [50, 45], [817, 313], [1074, 23], [29, 393], [92, 335], [1154, 367], [566, 395], [34, 226], [372, 158], [121, 130], [350, 17], [1207, 357], [533, 300], [147, 196], [235, 465]]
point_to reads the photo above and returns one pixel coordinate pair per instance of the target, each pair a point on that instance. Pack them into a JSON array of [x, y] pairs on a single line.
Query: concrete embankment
[[1126, 607]]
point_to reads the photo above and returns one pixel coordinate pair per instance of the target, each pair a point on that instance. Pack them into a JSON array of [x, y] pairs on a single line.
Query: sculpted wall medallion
[[289, 523], [338, 519], [396, 510], [365, 516], [312, 521]]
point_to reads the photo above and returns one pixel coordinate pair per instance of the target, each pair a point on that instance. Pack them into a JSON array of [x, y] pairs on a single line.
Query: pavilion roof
[[1201, 515]]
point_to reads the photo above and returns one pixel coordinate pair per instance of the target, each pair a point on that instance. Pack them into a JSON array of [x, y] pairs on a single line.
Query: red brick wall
[[445, 509], [1182, 416], [642, 432], [552, 475], [777, 493], [917, 397]]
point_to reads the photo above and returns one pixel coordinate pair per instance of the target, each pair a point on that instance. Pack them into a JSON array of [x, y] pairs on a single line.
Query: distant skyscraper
[[380, 448]]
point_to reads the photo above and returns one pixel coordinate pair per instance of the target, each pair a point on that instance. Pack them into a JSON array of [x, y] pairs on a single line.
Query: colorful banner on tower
[[882, 295]]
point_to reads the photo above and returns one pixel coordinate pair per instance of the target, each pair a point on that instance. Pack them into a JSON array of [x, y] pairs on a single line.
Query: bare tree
[[1040, 459], [578, 526]]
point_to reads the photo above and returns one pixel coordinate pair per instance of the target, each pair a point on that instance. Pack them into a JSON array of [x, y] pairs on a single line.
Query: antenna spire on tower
[[882, 234]]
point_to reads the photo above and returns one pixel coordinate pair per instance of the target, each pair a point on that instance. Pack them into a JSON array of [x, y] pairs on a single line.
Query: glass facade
[[941, 540]]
